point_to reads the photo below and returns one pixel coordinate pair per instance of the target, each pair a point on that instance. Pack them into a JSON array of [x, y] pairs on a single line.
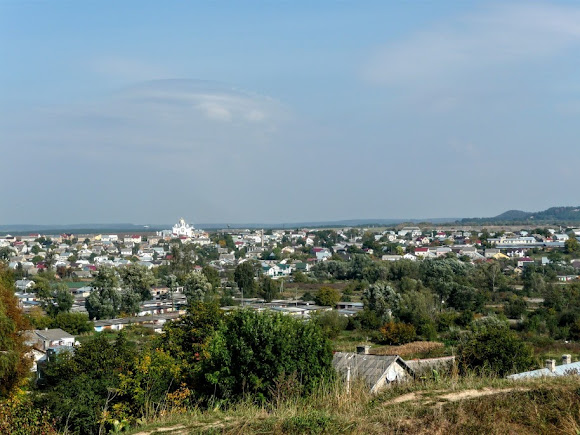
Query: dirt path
[[173, 430], [450, 396]]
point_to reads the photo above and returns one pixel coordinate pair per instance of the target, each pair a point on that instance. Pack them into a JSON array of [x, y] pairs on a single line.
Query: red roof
[[421, 249]]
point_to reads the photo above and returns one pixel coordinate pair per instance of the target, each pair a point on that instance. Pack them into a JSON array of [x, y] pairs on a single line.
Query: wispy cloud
[[120, 68], [495, 38]]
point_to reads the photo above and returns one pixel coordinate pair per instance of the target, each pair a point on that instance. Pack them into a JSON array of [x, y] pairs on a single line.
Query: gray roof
[[561, 370], [426, 366], [370, 368], [52, 334]]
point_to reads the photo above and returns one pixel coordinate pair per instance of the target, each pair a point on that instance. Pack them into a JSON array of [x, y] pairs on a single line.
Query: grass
[[451, 404]]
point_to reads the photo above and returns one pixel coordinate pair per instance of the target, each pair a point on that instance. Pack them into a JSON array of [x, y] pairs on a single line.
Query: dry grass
[[411, 349], [466, 405]]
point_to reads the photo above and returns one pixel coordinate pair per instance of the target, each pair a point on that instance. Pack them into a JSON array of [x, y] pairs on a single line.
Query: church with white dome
[[182, 228], [186, 232]]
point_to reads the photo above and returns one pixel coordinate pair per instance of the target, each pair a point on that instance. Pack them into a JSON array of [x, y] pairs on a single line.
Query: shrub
[[396, 333], [331, 323], [494, 348], [18, 416], [251, 350]]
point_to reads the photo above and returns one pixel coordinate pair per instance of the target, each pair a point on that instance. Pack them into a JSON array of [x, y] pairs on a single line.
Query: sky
[[285, 111]]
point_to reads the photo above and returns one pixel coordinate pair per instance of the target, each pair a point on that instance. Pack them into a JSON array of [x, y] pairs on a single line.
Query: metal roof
[[561, 370]]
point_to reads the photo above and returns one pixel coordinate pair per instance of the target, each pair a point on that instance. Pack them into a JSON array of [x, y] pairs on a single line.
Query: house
[[322, 253], [565, 369], [391, 257], [350, 306], [376, 371], [560, 237], [24, 284], [412, 231], [525, 261], [47, 338]]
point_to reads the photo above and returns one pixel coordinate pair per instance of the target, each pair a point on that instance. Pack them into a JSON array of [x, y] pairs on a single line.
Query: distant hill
[[551, 215]]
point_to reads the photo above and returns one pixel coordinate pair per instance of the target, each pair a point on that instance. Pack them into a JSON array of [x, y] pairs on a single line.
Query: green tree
[[196, 286], [78, 387], [212, 276], [55, 299], [144, 388], [187, 338], [6, 252], [382, 299], [571, 246], [268, 288], [73, 323], [299, 277], [252, 350], [104, 302], [244, 278], [327, 296], [330, 322], [139, 279]]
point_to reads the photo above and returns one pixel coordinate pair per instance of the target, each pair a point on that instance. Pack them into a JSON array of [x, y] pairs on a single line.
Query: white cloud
[[497, 37]]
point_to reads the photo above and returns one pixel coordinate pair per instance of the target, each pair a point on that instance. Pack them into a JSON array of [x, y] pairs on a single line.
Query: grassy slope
[[449, 405]]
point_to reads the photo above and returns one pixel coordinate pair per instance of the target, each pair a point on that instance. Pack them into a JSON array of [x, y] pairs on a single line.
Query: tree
[[494, 349], [244, 277], [50, 259], [58, 299], [212, 276], [327, 296], [130, 302], [139, 279], [6, 252], [14, 362], [382, 299], [104, 302], [252, 350], [196, 286], [299, 277], [187, 338], [77, 387], [330, 322], [268, 288], [73, 323], [571, 246]]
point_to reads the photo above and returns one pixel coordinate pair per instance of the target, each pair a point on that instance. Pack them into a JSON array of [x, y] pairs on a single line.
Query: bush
[[366, 320], [313, 423], [252, 349], [18, 416], [331, 323], [396, 333], [494, 348], [327, 296]]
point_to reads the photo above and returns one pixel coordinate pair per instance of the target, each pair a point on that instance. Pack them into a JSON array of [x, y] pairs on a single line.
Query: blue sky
[[279, 111]]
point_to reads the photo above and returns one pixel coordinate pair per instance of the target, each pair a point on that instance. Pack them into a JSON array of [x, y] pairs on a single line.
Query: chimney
[[566, 359], [363, 350], [551, 364]]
